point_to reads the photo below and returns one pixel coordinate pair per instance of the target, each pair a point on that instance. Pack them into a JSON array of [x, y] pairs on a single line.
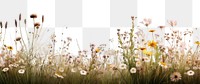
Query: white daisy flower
[[21, 71], [122, 66], [83, 72], [176, 76], [133, 70], [190, 73], [5, 69]]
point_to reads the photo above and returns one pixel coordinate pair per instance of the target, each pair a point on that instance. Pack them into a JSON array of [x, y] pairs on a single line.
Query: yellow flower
[[197, 42], [152, 43], [163, 64], [152, 31], [97, 50], [10, 48], [148, 53]]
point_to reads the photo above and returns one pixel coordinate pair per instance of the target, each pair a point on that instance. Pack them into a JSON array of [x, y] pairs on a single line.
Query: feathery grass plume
[[18, 39], [37, 25], [152, 30], [33, 16], [6, 25], [1, 25], [20, 17], [161, 27], [15, 23], [42, 18]]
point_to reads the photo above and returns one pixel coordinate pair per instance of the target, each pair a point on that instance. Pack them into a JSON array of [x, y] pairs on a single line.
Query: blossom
[[190, 73], [152, 43], [5, 69], [163, 64], [133, 70], [197, 43], [148, 53], [83, 72], [21, 71], [122, 66], [97, 50], [176, 76], [10, 48]]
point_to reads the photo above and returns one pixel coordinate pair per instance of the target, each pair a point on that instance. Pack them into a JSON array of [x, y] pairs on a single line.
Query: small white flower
[[61, 69], [21, 71], [190, 73], [10, 65], [5, 69], [133, 70], [83, 72], [122, 66]]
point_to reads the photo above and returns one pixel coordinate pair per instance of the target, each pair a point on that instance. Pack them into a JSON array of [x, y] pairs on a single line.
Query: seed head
[[33, 16]]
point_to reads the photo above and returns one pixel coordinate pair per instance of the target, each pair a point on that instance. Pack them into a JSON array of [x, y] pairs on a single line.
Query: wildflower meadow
[[162, 59]]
